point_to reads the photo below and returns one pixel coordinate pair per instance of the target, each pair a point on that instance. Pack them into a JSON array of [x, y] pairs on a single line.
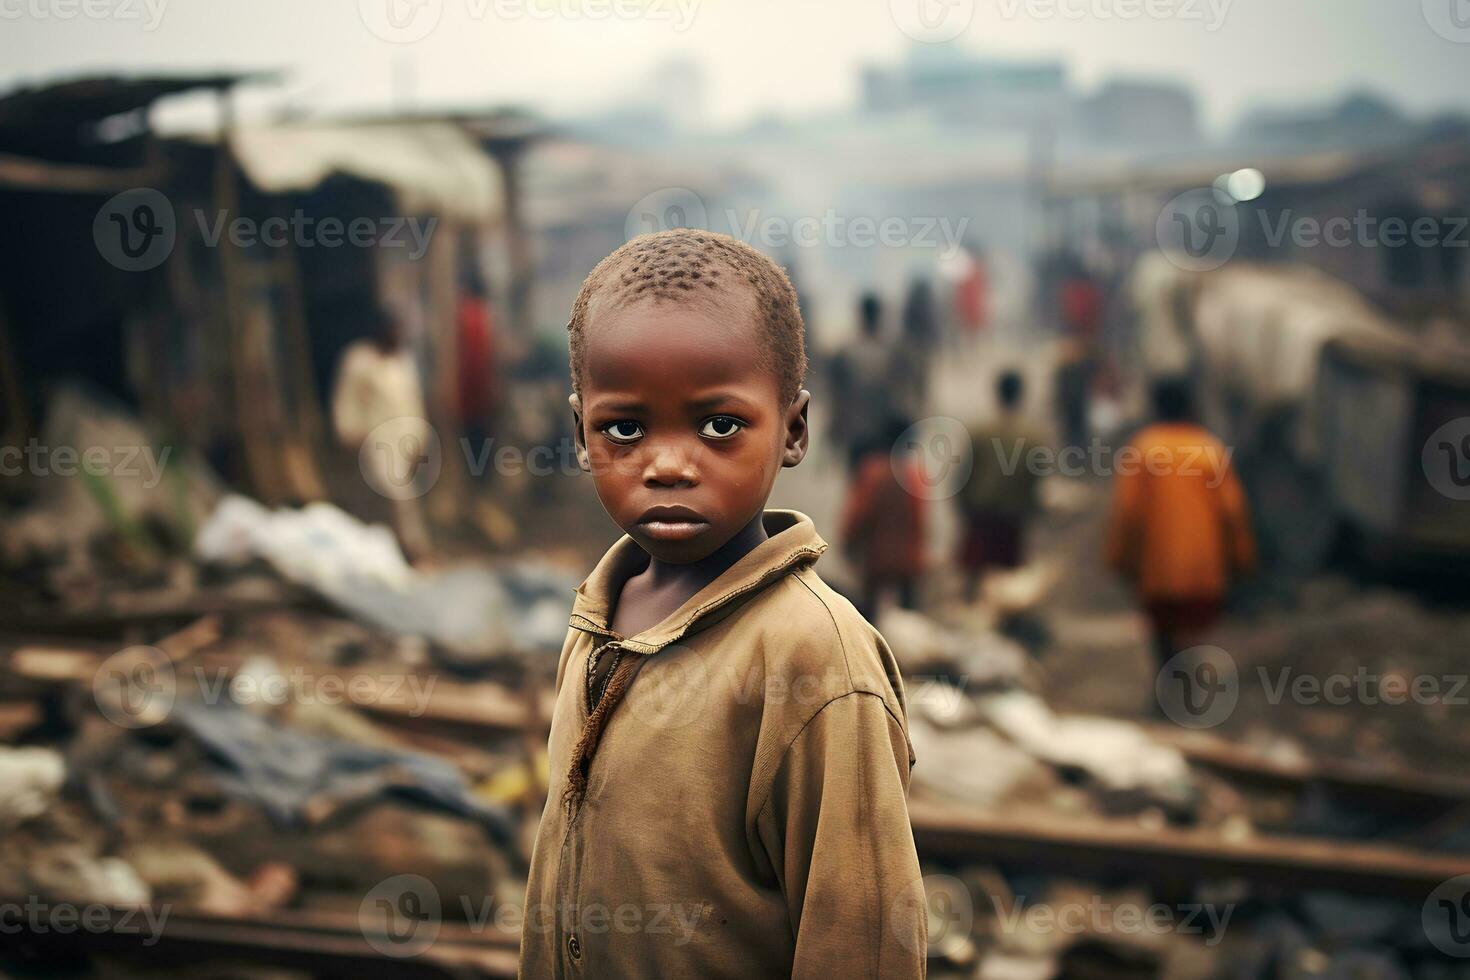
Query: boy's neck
[[696, 575], [659, 589]]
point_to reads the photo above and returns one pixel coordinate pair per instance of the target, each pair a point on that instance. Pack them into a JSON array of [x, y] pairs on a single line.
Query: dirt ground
[[1331, 661]]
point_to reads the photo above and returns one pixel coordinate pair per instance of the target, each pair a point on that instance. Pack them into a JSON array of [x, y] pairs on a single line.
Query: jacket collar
[[792, 541]]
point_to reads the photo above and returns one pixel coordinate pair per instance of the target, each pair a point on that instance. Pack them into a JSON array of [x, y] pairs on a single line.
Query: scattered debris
[[297, 777], [29, 782], [114, 479], [261, 822], [980, 658], [473, 612]]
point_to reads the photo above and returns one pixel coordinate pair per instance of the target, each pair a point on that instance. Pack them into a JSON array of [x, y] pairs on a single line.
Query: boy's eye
[[721, 427], [623, 432]]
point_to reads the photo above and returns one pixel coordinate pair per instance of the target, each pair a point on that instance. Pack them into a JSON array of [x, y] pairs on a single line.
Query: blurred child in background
[[883, 524], [1001, 494]]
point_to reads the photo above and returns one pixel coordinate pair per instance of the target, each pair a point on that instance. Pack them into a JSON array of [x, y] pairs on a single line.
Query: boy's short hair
[[1009, 387], [690, 265]]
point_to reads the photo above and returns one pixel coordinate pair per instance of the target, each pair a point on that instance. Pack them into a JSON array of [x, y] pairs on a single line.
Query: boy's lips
[[672, 523]]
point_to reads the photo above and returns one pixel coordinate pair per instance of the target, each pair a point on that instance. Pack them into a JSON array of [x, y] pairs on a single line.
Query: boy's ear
[[797, 432], [579, 437]]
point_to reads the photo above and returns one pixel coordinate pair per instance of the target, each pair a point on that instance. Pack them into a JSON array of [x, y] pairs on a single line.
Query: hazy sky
[[791, 56]]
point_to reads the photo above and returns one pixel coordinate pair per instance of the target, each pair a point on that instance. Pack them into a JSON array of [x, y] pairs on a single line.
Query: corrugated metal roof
[[85, 100], [434, 167]]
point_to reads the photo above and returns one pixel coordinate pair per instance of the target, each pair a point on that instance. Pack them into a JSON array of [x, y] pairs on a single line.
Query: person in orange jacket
[[1180, 530]]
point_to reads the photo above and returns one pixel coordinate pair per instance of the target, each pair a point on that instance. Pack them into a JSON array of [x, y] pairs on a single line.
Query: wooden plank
[[306, 437], [54, 665], [439, 711], [59, 665], [322, 943], [28, 173], [1169, 854], [120, 611], [188, 641], [1399, 790], [16, 717], [468, 707]]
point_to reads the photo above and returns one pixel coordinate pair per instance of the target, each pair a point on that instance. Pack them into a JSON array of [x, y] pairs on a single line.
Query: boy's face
[[681, 423]]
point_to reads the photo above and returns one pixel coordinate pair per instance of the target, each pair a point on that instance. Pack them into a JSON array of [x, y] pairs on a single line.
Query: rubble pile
[[1094, 846], [256, 724], [258, 732]]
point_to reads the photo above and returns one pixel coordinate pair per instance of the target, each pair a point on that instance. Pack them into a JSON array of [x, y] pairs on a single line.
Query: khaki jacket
[[745, 810]]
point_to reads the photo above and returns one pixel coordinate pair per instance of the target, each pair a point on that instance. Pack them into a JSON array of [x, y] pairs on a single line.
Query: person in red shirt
[[475, 390], [883, 524], [972, 298]]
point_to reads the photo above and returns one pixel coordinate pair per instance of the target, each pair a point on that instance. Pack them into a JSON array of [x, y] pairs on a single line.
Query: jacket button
[[574, 947]]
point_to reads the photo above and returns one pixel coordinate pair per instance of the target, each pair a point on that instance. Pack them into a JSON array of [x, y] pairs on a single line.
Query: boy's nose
[[670, 466]]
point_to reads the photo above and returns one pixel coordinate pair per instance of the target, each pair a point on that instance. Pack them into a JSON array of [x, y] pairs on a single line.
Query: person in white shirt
[[378, 410]]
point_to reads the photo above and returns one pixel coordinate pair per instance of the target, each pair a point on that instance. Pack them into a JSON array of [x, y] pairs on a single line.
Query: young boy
[[729, 747]]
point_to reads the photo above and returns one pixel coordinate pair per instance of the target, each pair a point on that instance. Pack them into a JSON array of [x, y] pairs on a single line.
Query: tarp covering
[[434, 167]]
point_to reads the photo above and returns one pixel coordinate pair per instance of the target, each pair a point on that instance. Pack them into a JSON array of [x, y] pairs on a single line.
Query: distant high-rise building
[[1140, 112], [677, 88], [1361, 119], [963, 88]]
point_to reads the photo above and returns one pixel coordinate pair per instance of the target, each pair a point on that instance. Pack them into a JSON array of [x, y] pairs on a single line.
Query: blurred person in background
[[1001, 494], [1179, 530], [883, 524], [1080, 306], [971, 298], [477, 381], [915, 353], [378, 383], [862, 384]]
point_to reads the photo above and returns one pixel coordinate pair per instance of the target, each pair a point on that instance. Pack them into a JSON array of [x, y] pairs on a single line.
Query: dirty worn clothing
[[1179, 525], [744, 813]]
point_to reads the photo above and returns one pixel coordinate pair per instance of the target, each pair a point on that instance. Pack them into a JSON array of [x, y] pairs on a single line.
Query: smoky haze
[[755, 56]]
